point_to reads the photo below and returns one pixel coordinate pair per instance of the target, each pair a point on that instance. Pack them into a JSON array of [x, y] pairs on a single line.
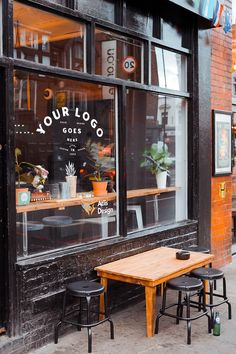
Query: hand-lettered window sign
[[74, 125]]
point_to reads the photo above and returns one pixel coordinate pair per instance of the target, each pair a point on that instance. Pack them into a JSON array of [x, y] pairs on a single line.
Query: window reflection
[[169, 69], [68, 128], [157, 122], [49, 39], [139, 19], [118, 56], [104, 9], [172, 34]]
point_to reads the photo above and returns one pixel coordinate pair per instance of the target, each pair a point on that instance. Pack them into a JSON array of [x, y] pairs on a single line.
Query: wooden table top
[[152, 267], [63, 203]]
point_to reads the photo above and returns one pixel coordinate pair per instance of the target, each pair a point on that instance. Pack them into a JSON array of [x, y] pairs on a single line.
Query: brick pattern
[[221, 99]]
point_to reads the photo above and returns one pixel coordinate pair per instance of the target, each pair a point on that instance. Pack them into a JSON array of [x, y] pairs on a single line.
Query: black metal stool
[[83, 290], [183, 284], [211, 275], [196, 248]]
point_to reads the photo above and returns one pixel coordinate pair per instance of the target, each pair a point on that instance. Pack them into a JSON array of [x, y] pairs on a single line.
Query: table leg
[[104, 282], [150, 296]]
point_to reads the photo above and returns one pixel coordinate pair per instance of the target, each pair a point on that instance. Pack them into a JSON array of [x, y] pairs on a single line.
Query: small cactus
[[70, 169]]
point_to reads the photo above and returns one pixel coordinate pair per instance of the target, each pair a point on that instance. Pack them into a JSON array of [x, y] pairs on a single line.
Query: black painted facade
[[31, 288]]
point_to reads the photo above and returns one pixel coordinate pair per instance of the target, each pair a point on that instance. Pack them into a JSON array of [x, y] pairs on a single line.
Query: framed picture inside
[[222, 143]]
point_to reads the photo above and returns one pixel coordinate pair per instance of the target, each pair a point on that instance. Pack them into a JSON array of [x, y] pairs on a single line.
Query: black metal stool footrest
[[187, 285], [84, 290], [211, 275]]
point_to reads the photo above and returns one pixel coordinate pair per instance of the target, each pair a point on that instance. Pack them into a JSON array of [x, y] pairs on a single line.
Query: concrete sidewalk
[[130, 332]]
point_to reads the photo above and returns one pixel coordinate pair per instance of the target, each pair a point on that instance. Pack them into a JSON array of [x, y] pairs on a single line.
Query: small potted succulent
[[71, 179]]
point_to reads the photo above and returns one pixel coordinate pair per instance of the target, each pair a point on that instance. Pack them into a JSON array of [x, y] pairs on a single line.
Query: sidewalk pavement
[[130, 329]]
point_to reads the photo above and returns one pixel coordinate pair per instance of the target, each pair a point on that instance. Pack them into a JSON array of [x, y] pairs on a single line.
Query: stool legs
[[211, 304], [179, 312], [188, 316], [79, 324], [227, 300]]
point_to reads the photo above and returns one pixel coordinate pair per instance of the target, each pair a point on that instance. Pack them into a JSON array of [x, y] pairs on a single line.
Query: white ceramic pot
[[161, 179], [72, 183]]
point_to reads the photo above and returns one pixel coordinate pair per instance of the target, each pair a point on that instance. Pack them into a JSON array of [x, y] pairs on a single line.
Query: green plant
[[157, 158], [100, 160], [29, 173]]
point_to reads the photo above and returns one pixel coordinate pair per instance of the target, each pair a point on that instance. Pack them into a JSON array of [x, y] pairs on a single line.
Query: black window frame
[[121, 85]]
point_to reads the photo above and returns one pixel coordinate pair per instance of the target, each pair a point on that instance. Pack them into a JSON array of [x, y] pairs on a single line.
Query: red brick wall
[[221, 99]]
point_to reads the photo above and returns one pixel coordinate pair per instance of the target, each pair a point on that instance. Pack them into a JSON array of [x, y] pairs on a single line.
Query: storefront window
[[103, 9], [49, 39], [169, 69], [138, 20], [158, 125], [118, 56], [172, 34], [65, 139]]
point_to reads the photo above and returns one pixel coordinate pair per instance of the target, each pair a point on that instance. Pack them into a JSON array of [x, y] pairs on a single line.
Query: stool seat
[[85, 288], [207, 273], [196, 248], [185, 283]]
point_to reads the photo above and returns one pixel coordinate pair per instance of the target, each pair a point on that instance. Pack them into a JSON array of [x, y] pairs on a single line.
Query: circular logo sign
[[129, 65]]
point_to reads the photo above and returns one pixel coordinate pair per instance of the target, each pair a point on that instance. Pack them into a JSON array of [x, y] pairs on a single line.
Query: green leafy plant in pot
[[101, 161], [157, 159]]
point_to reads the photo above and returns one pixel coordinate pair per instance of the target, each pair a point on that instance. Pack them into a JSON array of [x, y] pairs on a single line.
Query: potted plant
[[71, 179], [157, 159], [28, 173], [102, 163]]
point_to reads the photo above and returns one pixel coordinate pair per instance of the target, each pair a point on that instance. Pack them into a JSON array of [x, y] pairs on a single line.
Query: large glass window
[[103, 9], [48, 39], [118, 56], [169, 69], [65, 139], [139, 20], [156, 159]]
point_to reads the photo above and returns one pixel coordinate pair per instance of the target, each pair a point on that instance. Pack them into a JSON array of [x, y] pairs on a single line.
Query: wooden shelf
[[63, 203]]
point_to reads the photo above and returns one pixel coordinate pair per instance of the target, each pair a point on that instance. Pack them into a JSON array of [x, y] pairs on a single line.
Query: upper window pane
[[139, 20], [103, 9], [118, 56], [169, 69], [172, 34], [68, 128], [49, 39]]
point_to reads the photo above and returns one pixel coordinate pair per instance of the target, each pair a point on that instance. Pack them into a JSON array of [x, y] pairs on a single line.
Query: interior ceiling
[[56, 27]]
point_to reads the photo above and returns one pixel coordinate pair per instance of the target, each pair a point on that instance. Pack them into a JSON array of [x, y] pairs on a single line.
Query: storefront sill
[[24, 264]]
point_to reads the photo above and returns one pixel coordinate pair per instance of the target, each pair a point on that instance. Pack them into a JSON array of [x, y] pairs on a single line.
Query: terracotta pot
[[99, 188]]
